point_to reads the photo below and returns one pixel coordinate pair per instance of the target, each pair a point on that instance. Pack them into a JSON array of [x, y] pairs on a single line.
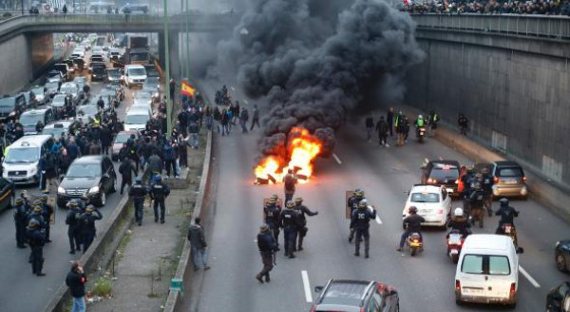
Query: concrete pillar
[[161, 49], [175, 65]]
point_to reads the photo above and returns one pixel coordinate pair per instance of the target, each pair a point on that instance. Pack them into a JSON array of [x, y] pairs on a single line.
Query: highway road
[[425, 283], [19, 289]]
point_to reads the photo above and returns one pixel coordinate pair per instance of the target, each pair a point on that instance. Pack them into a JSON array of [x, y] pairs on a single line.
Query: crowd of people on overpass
[[539, 7]]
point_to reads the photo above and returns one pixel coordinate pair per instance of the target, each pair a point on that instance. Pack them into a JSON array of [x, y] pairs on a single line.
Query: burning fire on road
[[300, 149]]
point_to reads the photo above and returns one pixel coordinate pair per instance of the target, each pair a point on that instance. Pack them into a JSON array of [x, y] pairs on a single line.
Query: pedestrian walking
[[87, 223], [255, 118], [158, 193], [138, 193], [36, 240], [382, 129], [194, 131], [243, 118], [301, 221], [73, 227], [75, 281], [288, 222], [126, 169], [369, 123], [267, 246], [198, 244], [290, 180], [390, 120]]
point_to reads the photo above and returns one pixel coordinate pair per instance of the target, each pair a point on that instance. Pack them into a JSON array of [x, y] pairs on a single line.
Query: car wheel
[[102, 200], [560, 262], [458, 301], [114, 186]]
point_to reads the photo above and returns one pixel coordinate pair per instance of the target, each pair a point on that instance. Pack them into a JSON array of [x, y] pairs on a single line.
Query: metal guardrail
[[554, 27]]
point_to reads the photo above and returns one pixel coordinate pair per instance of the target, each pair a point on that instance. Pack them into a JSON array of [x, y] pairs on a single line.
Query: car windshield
[[444, 172], [22, 155], [486, 264], [7, 102], [136, 119], [122, 137], [87, 109], [82, 170], [52, 85], [152, 82], [425, 198], [510, 172], [30, 119], [98, 69], [58, 100], [137, 71], [55, 132], [113, 73], [68, 89]]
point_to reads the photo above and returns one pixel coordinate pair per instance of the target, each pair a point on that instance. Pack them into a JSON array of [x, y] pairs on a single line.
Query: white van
[[135, 74], [488, 270], [22, 159], [136, 118]]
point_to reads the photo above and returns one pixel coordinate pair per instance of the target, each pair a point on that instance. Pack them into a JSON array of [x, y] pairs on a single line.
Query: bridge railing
[[556, 27]]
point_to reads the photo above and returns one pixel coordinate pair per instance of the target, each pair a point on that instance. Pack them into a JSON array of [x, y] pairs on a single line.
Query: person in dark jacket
[[507, 215], [126, 169], [267, 246], [302, 229], [138, 192], [76, 280], [106, 139], [155, 163], [20, 220], [87, 224], [36, 240], [169, 159], [198, 243], [390, 120], [382, 129], [360, 222], [73, 229], [413, 224]]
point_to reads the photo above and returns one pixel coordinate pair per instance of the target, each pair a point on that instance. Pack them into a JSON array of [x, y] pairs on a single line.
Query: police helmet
[[363, 203], [413, 210], [44, 198], [272, 201], [359, 193], [458, 212], [89, 208], [33, 223], [290, 204], [73, 204], [504, 201], [19, 201], [138, 180], [158, 178], [298, 200], [420, 116], [37, 208], [274, 196], [264, 228]]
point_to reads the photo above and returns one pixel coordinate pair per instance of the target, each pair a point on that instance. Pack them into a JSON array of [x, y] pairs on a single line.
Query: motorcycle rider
[[476, 200], [433, 119], [288, 221], [360, 222], [420, 122], [487, 184], [302, 221], [352, 204], [459, 222], [507, 214], [271, 213], [413, 224]]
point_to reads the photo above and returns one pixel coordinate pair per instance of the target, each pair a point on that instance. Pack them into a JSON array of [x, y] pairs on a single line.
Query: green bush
[[102, 287]]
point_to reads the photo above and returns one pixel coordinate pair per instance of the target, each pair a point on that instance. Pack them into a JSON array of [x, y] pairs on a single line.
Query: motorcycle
[[420, 134], [509, 230], [454, 243], [415, 243]]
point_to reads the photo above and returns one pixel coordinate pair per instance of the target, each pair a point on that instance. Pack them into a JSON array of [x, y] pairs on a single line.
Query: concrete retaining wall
[[16, 66], [516, 101]]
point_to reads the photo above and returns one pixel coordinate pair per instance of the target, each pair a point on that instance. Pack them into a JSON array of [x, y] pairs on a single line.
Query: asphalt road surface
[[20, 290], [425, 283]]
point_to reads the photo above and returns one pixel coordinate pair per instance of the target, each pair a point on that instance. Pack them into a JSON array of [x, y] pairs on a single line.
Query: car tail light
[[457, 285], [431, 181], [496, 179], [524, 179], [513, 290]]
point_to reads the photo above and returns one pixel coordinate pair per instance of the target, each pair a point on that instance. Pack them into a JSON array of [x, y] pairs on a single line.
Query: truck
[[137, 50]]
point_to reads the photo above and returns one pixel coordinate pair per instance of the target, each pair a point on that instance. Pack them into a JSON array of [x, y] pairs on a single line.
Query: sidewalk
[[148, 255]]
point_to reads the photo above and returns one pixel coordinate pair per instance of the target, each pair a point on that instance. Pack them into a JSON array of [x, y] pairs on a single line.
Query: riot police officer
[[73, 226], [47, 212], [302, 229], [87, 223], [360, 222], [37, 214], [138, 192], [21, 221], [36, 240], [158, 193], [352, 204], [288, 222], [271, 213]]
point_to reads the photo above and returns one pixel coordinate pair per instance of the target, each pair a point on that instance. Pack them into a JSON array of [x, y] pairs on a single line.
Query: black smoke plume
[[313, 60]]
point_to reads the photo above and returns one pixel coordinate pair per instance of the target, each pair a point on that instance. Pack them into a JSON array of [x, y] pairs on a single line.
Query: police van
[[22, 159]]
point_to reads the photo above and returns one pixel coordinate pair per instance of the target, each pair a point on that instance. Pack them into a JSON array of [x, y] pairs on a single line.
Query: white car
[[58, 100], [433, 203]]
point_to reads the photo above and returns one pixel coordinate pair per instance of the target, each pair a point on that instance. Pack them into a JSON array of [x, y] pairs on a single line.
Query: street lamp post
[[187, 27], [167, 69]]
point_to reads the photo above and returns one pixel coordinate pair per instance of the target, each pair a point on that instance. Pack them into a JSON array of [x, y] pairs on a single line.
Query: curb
[[175, 296], [98, 254], [540, 188]]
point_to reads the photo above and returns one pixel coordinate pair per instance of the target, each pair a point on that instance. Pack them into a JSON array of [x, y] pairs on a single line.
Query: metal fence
[[556, 27]]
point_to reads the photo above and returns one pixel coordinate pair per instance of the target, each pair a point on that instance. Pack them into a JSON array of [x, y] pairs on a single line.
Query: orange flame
[[303, 148]]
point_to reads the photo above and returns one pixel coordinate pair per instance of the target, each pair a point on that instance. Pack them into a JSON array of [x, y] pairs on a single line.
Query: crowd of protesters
[[542, 7]]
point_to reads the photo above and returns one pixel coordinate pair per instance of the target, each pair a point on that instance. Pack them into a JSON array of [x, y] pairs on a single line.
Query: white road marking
[[307, 286], [337, 159], [529, 278]]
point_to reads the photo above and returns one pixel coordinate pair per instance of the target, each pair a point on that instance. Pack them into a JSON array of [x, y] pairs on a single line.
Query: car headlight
[[557, 244], [130, 80], [94, 190], [33, 171], [60, 190]]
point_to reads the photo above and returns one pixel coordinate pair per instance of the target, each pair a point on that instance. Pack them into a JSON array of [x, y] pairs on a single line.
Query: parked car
[[135, 75], [151, 71], [41, 95], [65, 71], [58, 128], [558, 299], [121, 138], [98, 71], [114, 75], [71, 88], [442, 172], [152, 86], [54, 76], [7, 194], [355, 296], [30, 118], [52, 88], [22, 159], [84, 112], [135, 8], [12, 106], [562, 255], [92, 176], [432, 202]]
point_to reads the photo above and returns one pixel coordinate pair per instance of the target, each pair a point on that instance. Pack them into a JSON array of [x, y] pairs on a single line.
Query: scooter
[[420, 134], [415, 243], [454, 243]]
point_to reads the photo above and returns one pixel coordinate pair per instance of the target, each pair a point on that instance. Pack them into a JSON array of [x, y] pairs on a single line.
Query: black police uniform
[[138, 193], [88, 230], [36, 240], [352, 203], [47, 211], [272, 212], [487, 184], [288, 220], [302, 224], [507, 214], [267, 246], [73, 229], [159, 192], [360, 222], [20, 219]]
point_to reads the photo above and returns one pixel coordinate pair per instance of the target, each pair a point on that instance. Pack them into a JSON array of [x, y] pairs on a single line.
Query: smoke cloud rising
[[314, 60]]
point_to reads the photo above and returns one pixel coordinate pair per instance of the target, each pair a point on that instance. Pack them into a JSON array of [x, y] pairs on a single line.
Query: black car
[[98, 71], [7, 193], [442, 172], [356, 296], [12, 106], [91, 176], [562, 255], [558, 299]]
